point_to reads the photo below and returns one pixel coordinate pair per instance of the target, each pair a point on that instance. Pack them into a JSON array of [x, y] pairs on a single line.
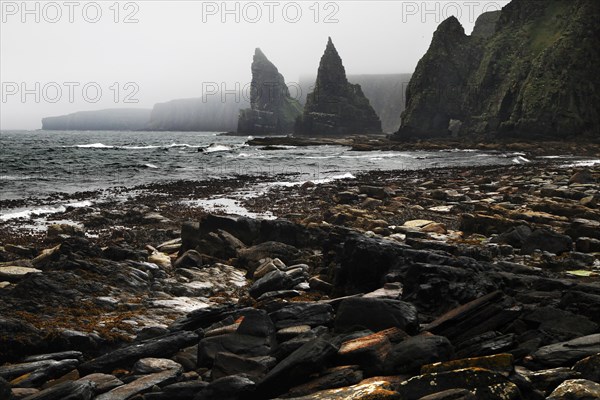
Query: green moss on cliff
[[535, 76]]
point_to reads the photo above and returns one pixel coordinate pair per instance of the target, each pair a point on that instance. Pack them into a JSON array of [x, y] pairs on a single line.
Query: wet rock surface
[[364, 288]]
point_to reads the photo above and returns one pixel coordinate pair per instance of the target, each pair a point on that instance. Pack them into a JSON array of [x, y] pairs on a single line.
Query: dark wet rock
[[548, 379], [275, 280], [368, 352], [312, 314], [364, 262], [451, 394], [408, 356], [486, 344], [368, 389], [193, 233], [66, 391], [485, 224], [337, 377], [584, 176], [189, 259], [11, 371], [582, 303], [255, 337], [486, 313], [20, 250], [589, 368], [153, 365], [500, 363], [63, 355], [178, 391], [564, 323], [228, 388], [566, 353], [336, 107], [546, 240], [576, 389], [102, 382], [140, 385], [121, 253], [227, 364], [484, 384], [515, 236], [5, 390], [273, 110], [159, 347], [202, 318], [15, 273], [288, 347], [43, 374], [584, 228], [295, 368], [587, 245], [376, 314]]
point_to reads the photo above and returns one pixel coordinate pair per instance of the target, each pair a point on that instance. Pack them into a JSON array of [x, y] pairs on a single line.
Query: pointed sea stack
[[336, 107], [272, 110]]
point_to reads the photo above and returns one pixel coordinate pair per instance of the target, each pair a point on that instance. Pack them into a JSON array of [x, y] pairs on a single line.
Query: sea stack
[[273, 110], [336, 107]]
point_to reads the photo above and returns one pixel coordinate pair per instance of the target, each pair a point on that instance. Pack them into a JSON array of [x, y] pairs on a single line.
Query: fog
[[61, 57]]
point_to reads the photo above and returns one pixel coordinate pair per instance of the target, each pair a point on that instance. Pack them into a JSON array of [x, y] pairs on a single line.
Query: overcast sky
[[155, 51]]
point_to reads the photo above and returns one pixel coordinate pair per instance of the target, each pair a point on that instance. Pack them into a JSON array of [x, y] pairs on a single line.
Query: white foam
[[139, 147], [347, 175], [520, 160], [216, 148], [93, 146], [44, 210], [151, 166], [584, 163], [227, 206]]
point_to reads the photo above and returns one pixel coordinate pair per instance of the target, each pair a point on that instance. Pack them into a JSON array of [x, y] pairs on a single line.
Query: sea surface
[[40, 164]]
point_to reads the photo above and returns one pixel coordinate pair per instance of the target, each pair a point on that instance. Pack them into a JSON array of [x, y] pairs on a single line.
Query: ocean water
[[42, 163]]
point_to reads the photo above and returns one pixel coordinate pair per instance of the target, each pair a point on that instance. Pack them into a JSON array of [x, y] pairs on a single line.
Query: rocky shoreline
[[461, 283]]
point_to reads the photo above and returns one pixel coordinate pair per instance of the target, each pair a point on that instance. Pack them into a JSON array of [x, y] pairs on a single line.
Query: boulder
[[140, 385], [589, 368], [126, 356], [567, 353], [376, 314], [411, 354], [484, 384], [233, 387], [576, 389], [547, 240], [296, 368]]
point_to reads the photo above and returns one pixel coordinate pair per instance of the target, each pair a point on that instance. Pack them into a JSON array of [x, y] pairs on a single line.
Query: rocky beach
[[455, 283], [425, 227]]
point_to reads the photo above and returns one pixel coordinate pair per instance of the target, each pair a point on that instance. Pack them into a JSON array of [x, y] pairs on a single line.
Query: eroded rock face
[[273, 110], [529, 74], [336, 107]]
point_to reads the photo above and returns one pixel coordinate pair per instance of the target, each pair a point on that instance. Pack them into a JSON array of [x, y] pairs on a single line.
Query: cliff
[[211, 114], [273, 110], [336, 107], [528, 71], [103, 120]]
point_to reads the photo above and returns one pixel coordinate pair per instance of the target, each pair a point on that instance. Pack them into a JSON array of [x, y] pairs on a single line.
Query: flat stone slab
[[14, 273], [139, 385]]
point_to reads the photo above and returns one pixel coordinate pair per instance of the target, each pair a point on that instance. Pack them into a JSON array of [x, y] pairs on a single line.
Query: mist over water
[[99, 55]]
